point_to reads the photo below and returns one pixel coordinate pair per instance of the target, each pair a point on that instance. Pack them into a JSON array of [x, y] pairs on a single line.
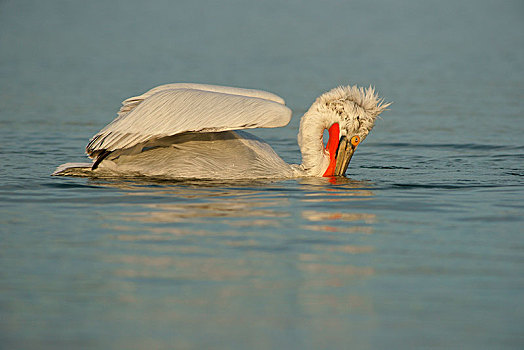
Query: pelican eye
[[355, 140]]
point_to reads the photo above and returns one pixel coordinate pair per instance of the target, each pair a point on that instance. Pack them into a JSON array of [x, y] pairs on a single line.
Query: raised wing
[[170, 111], [132, 102]]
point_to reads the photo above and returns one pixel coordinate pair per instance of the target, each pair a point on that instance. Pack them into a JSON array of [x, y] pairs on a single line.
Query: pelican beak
[[345, 151]]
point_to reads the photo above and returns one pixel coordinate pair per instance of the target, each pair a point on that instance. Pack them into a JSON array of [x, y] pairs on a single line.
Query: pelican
[[189, 130]]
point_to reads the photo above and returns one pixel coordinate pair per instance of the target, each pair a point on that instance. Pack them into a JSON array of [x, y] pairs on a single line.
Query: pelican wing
[[132, 102], [172, 110]]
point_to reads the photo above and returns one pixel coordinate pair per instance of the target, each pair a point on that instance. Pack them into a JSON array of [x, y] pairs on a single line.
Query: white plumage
[[192, 131]]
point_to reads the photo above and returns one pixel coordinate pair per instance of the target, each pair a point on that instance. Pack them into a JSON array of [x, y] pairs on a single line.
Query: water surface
[[420, 247]]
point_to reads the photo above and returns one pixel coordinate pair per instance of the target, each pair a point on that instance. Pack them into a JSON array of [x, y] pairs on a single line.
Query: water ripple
[[457, 146]]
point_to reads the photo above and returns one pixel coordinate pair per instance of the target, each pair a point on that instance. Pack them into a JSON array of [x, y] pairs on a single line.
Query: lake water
[[422, 246]]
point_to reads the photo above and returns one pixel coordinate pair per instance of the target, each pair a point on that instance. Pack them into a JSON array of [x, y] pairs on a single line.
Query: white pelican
[[194, 131]]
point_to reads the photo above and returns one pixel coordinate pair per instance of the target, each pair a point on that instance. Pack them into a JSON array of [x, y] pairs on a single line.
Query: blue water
[[422, 246]]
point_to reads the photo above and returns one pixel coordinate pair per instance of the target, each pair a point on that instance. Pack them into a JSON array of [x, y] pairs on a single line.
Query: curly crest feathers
[[352, 101]]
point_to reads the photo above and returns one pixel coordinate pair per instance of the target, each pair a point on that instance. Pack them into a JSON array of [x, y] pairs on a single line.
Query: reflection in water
[[195, 212], [241, 205], [343, 189], [313, 215], [250, 240], [339, 182], [350, 229], [337, 219]]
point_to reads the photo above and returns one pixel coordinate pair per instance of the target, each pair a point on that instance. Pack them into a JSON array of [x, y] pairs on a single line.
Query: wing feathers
[[132, 102], [170, 111]]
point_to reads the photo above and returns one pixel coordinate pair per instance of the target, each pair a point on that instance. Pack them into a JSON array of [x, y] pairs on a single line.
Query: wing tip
[[71, 169]]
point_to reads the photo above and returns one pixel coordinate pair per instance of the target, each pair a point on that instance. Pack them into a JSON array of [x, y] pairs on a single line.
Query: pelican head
[[348, 113]]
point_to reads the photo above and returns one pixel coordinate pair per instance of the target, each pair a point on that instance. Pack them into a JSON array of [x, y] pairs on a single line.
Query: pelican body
[[198, 131]]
